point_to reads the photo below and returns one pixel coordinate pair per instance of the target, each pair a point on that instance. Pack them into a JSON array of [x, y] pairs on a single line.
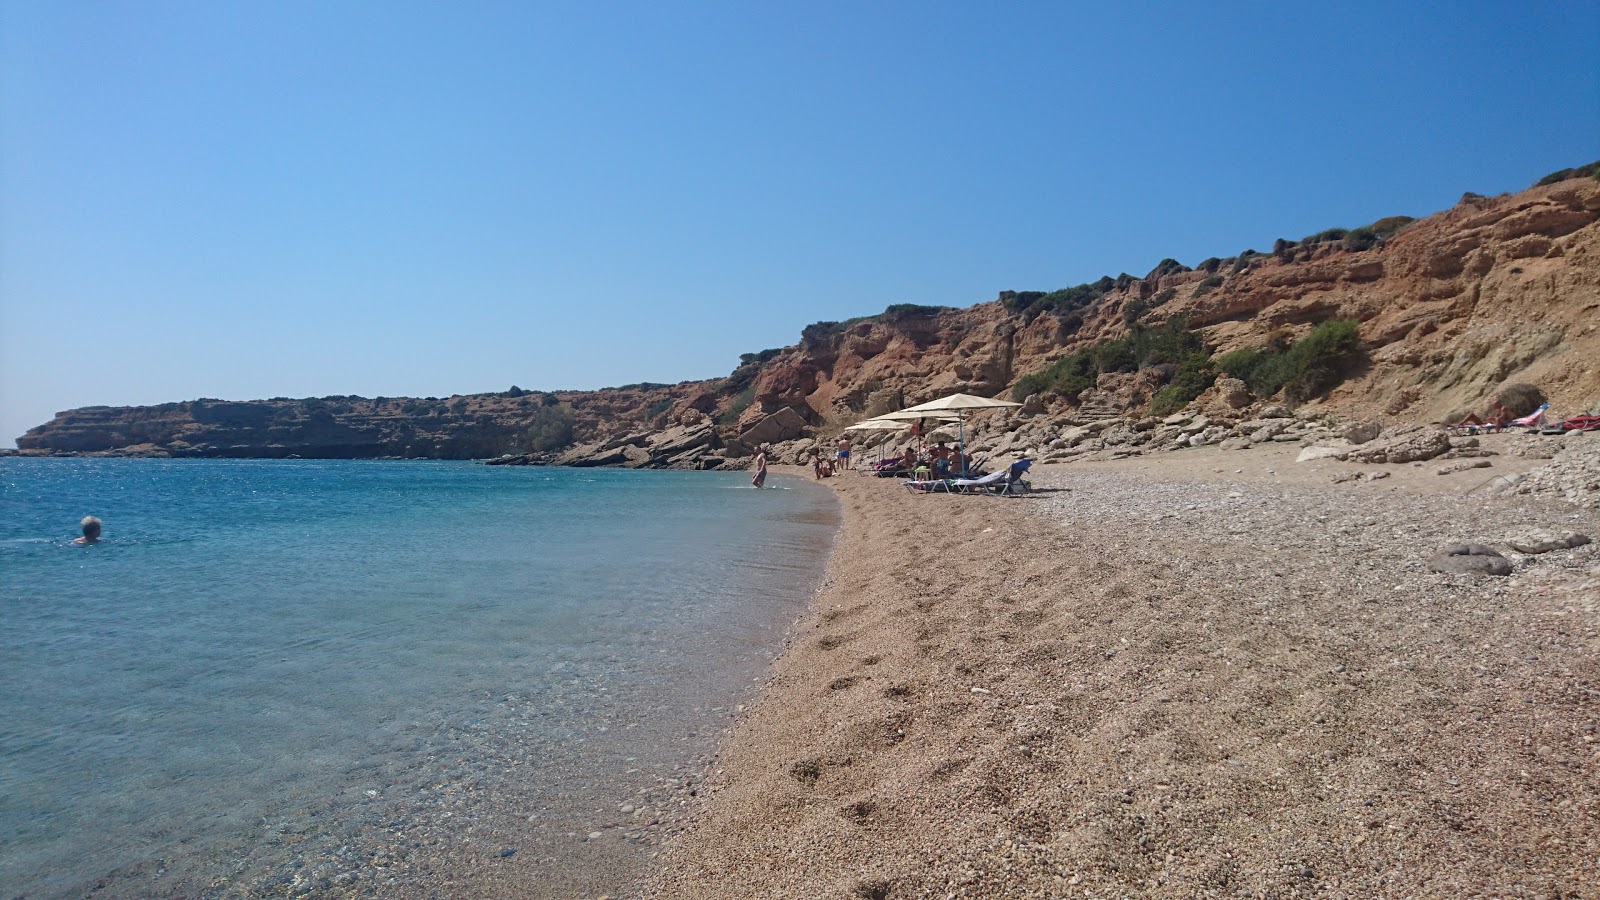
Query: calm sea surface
[[393, 678]]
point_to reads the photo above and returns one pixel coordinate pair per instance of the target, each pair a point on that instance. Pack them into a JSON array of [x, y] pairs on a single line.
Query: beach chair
[[929, 487], [1006, 483], [1534, 420], [985, 484]]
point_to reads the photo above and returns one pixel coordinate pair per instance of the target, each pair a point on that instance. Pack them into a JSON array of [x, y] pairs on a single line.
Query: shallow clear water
[[281, 676]]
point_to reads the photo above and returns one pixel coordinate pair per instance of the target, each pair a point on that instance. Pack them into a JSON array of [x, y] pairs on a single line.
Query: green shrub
[[1170, 342], [1209, 264], [816, 333], [1163, 297], [1360, 239], [1388, 225], [1031, 304], [1168, 266], [897, 311], [740, 404], [1195, 373], [549, 428], [1209, 284], [1308, 367], [1592, 170], [1332, 234], [1317, 362], [758, 358]]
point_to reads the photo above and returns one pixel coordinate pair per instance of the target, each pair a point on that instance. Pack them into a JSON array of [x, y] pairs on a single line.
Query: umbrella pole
[[961, 436]]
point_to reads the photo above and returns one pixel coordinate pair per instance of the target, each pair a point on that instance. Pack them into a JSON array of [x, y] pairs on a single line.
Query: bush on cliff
[[1195, 373], [1592, 170], [1304, 369], [1168, 266], [1063, 303], [739, 405], [898, 311], [550, 428], [1170, 342], [1207, 285]]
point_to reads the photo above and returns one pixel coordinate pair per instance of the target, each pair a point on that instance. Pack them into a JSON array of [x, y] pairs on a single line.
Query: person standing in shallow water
[[91, 531], [760, 479]]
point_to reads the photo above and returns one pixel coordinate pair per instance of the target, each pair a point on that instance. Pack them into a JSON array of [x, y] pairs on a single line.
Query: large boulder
[[1234, 392], [584, 455], [1408, 445], [783, 425], [1362, 432], [1469, 559], [676, 440]]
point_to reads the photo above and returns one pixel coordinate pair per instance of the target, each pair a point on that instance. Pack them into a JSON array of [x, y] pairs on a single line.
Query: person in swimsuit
[[844, 452], [91, 531], [760, 479]]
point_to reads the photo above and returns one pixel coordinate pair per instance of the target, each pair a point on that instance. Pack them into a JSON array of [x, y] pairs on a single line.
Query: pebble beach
[[1194, 674]]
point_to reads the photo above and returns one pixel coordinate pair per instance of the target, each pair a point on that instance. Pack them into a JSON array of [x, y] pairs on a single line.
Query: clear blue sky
[[246, 200]]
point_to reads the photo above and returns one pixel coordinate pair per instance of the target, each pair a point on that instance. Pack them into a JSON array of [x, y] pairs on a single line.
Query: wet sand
[[1192, 674]]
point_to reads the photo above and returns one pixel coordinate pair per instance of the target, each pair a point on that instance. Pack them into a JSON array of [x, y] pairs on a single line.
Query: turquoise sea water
[[291, 677]]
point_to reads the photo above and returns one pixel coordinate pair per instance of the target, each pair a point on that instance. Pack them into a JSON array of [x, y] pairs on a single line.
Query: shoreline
[[1191, 673]]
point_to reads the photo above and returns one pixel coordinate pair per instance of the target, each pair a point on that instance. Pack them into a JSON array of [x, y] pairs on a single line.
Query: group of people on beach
[[939, 460]]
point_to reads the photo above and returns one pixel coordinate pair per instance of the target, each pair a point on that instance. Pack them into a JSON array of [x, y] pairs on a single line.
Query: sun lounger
[[1534, 419], [1008, 482], [986, 483]]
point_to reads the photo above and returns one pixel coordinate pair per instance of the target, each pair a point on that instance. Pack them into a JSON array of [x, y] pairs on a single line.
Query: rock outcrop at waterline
[[1450, 308]]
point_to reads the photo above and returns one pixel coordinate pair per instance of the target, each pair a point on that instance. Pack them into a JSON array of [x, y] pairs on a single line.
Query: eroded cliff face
[[1450, 308]]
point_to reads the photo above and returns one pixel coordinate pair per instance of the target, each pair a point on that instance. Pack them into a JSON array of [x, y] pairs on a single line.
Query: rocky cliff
[[1450, 308]]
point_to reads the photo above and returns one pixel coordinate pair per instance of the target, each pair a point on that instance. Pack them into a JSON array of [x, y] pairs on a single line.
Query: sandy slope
[[1165, 677]]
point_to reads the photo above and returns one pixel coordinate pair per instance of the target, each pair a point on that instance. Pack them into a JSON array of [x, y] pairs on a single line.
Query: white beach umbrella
[[959, 405], [878, 425]]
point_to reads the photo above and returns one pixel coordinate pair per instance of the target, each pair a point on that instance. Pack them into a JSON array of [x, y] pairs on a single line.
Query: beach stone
[[1469, 559], [1406, 446], [1234, 392], [1362, 432], [1266, 432], [1235, 443], [1276, 411], [1534, 544], [1311, 453]]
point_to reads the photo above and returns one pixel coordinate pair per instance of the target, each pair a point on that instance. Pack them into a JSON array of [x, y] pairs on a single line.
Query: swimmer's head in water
[[91, 527]]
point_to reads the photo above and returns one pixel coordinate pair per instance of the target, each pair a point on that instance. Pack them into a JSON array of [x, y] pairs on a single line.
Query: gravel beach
[[1198, 673]]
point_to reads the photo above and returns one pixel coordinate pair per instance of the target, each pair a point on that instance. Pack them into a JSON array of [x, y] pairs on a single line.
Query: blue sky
[[245, 200]]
